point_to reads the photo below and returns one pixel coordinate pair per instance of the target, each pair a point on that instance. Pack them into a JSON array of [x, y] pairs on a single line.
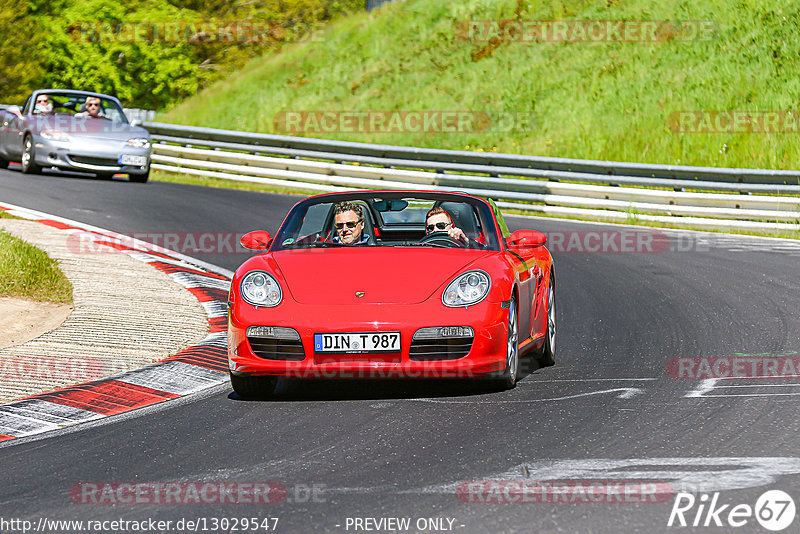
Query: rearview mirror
[[256, 240], [526, 239]]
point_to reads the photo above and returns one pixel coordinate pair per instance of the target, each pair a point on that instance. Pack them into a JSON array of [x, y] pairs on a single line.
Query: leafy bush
[[111, 47]]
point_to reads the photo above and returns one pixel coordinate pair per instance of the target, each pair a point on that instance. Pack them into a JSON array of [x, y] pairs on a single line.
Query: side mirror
[[256, 240], [136, 122], [526, 239]]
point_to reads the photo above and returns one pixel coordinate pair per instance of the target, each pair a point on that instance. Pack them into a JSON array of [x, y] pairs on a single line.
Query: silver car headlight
[[139, 142], [467, 289], [55, 135], [261, 289]]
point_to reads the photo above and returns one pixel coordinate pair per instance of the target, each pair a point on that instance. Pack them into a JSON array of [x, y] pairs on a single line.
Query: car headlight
[[55, 135], [261, 289], [467, 289], [139, 142]]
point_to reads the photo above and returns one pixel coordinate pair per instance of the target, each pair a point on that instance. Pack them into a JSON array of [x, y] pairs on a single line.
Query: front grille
[[88, 160], [440, 349], [277, 349]]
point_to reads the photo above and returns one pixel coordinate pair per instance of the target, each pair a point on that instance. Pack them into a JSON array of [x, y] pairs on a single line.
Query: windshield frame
[[288, 234]]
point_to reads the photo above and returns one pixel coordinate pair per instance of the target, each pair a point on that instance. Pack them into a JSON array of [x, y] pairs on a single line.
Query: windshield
[[393, 220], [99, 106]]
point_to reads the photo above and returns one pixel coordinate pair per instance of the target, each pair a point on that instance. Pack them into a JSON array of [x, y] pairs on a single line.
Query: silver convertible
[[76, 131]]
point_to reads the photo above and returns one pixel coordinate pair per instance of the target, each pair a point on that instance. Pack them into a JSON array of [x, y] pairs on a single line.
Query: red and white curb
[[193, 369]]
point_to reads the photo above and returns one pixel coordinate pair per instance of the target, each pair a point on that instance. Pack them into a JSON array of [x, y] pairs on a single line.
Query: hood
[[390, 275], [83, 126]]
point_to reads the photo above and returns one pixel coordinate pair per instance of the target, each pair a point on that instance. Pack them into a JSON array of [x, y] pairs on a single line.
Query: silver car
[[74, 130]]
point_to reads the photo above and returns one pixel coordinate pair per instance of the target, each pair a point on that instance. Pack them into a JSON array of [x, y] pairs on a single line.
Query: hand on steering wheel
[[442, 239]]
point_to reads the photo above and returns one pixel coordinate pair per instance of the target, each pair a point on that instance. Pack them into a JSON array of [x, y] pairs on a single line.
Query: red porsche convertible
[[391, 284]]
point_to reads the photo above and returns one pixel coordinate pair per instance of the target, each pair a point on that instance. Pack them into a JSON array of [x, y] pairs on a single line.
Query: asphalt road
[[608, 410]]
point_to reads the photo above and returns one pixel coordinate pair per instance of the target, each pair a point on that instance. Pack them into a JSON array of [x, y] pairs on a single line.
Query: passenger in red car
[[438, 220], [348, 222]]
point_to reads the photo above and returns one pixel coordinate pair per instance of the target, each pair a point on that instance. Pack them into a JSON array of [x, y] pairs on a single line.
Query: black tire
[[546, 356], [140, 178], [254, 387], [508, 378], [105, 175], [29, 165], [3, 163]]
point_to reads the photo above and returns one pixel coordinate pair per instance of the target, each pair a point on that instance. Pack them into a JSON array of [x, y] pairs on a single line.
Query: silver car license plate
[[136, 161], [357, 342]]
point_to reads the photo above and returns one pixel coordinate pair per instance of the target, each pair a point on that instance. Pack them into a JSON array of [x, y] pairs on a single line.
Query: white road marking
[[531, 383], [624, 393], [704, 387], [684, 474]]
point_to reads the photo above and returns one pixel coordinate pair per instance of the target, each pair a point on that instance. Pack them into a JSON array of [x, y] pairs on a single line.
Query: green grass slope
[[595, 100]]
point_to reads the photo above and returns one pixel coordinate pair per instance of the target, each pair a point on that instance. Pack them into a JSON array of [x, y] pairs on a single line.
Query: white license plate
[[136, 161], [344, 342]]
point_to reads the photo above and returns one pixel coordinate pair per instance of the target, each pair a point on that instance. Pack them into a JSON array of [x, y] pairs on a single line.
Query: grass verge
[[28, 272], [606, 99]]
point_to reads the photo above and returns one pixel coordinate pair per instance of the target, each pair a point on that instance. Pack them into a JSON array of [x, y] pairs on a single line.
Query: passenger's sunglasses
[[92, 105], [439, 226], [350, 224], [43, 101]]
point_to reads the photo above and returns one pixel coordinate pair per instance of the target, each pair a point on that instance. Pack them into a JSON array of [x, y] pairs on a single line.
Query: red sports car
[[391, 284]]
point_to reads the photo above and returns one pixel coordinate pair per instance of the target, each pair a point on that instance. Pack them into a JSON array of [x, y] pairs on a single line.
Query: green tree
[[19, 52]]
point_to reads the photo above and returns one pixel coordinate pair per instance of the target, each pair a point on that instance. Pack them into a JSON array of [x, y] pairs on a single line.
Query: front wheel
[[546, 356], [29, 165], [253, 387], [3, 163], [140, 178], [508, 379]]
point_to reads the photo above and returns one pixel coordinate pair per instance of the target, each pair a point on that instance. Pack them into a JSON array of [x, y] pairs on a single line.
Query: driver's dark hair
[[341, 207]]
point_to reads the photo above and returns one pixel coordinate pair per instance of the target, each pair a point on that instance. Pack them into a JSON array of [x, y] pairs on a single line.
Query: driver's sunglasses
[[350, 224], [439, 225], [43, 101], [92, 104]]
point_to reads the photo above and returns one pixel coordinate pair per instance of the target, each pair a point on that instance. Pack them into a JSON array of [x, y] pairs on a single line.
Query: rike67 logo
[[774, 510]]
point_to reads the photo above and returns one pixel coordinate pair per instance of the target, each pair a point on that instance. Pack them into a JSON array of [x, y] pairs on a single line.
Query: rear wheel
[[253, 387], [29, 165], [508, 379], [105, 175], [546, 356], [3, 162]]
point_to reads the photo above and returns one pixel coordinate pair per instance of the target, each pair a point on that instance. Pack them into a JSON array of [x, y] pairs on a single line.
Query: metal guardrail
[[577, 188]]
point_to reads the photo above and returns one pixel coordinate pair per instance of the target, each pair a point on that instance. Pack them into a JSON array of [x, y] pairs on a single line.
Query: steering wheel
[[441, 239]]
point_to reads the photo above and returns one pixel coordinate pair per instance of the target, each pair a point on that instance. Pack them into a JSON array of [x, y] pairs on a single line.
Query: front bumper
[[486, 355], [87, 156]]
